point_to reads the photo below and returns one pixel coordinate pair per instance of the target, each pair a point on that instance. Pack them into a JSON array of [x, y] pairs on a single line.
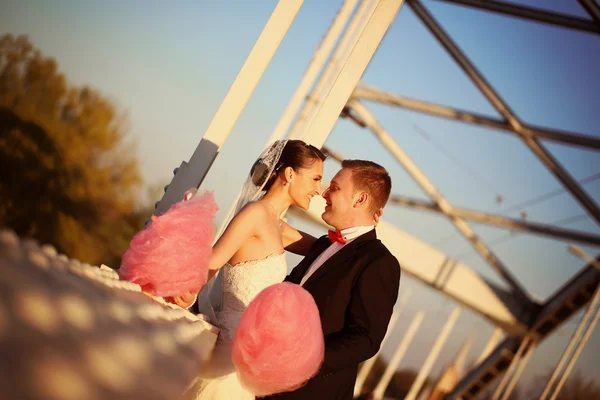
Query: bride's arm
[[241, 228], [296, 241]]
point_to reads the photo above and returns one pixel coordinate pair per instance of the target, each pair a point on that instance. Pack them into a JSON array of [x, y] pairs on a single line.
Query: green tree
[[68, 176]]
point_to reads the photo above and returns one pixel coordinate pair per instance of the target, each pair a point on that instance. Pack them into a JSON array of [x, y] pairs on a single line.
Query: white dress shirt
[[349, 234]]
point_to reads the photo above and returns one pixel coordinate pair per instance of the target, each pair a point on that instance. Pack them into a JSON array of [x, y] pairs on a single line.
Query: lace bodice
[[241, 283]]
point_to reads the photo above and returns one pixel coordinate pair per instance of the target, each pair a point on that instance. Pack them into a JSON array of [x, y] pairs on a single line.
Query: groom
[[353, 278]]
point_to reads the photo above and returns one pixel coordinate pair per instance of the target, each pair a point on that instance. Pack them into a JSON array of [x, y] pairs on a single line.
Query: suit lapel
[[319, 247], [346, 253]]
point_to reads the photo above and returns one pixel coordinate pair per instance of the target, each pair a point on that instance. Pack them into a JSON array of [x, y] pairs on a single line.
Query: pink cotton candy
[[170, 256], [279, 342]]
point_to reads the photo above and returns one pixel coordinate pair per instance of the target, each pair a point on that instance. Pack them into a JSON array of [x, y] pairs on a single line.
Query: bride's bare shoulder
[[255, 211]]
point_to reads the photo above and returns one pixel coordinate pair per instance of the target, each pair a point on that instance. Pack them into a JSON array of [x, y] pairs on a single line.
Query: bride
[[250, 256]]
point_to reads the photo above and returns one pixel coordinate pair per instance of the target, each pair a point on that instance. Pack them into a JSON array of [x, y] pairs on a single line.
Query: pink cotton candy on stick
[[279, 344], [170, 256]]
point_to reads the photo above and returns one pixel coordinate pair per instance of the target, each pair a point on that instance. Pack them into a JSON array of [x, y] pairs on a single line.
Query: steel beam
[[349, 75], [565, 302], [368, 92], [531, 14], [491, 344], [193, 173], [494, 98], [477, 379], [576, 353], [450, 277], [314, 67], [593, 9], [502, 221], [433, 355], [579, 337], [332, 154], [366, 367], [524, 349], [451, 373], [520, 368], [428, 187], [571, 352], [388, 374], [559, 308], [332, 68]]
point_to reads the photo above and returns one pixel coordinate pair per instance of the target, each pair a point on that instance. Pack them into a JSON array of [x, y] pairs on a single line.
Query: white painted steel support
[[313, 69], [520, 368], [433, 354], [192, 174], [428, 187], [579, 338], [489, 347], [349, 75], [333, 67], [450, 374], [366, 367], [504, 383], [576, 353], [383, 383], [584, 256], [550, 391]]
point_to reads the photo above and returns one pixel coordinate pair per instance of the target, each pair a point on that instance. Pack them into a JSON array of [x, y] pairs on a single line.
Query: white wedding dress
[[241, 283]]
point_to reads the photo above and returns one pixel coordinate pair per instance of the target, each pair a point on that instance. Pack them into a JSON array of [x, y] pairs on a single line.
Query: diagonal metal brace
[[494, 98]]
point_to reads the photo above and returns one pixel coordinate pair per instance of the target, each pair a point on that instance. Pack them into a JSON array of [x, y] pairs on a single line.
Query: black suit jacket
[[355, 291]]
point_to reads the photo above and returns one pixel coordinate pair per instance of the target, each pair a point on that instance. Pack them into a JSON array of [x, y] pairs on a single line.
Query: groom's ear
[[361, 200]]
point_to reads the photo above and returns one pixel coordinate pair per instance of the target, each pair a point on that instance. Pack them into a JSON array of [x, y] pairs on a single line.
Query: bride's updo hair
[[295, 154]]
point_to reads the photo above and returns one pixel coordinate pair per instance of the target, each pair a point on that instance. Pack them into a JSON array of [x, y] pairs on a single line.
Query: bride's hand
[[184, 301], [189, 194]]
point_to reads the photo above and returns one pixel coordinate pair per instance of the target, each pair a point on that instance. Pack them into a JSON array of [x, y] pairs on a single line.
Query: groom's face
[[339, 197]]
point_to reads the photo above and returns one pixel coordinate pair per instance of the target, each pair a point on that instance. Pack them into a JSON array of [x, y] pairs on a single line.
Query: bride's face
[[305, 184]]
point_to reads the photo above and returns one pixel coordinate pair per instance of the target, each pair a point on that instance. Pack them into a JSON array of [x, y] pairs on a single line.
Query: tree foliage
[[68, 176]]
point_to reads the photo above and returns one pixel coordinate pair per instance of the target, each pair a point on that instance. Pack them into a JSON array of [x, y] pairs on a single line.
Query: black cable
[[547, 196], [470, 171], [535, 201]]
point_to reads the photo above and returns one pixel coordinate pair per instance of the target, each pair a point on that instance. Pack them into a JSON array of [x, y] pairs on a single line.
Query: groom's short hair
[[372, 178]]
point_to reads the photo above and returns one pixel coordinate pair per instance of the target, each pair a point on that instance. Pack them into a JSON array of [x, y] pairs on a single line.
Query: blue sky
[[170, 64]]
